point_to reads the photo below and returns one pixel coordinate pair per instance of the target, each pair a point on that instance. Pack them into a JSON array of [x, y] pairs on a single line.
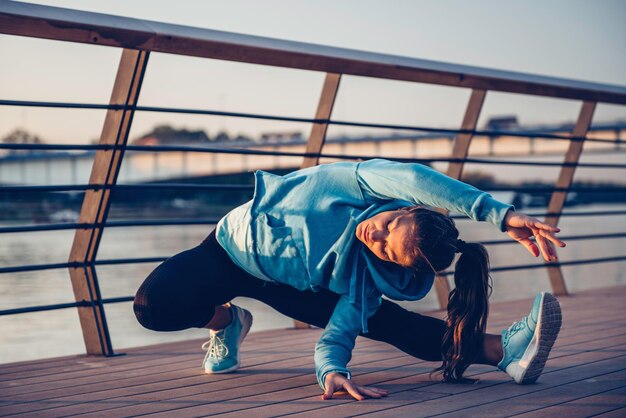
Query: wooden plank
[[297, 392], [281, 375], [95, 205], [537, 399], [100, 29], [127, 376], [80, 367], [474, 398], [182, 380], [593, 333], [396, 386], [298, 387], [460, 150], [564, 181], [616, 413], [117, 393], [401, 383], [586, 406]]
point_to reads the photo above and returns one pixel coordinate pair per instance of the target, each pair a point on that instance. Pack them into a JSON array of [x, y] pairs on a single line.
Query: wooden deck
[[585, 376]]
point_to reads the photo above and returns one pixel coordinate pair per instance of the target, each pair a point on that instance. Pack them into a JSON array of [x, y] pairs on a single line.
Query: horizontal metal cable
[[38, 267], [116, 261], [213, 221], [548, 189], [552, 264], [41, 308], [157, 222], [163, 148], [159, 186], [530, 134], [563, 238], [44, 227], [564, 214], [109, 224], [250, 188], [119, 299], [57, 306], [447, 273], [53, 266]]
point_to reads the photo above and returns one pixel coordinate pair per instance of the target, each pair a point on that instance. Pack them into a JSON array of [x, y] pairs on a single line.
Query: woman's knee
[[146, 304], [159, 303], [175, 295]]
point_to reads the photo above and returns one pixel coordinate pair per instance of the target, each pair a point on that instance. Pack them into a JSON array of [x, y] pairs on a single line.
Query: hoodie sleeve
[[422, 185], [333, 350]]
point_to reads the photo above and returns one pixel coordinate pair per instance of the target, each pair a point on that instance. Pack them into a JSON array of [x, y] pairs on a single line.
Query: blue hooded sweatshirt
[[299, 229]]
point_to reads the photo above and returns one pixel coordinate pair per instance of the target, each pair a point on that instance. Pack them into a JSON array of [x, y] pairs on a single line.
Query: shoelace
[[512, 330], [216, 348]]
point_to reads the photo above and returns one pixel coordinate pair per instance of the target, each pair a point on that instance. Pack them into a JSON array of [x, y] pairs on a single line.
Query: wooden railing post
[[318, 132], [105, 169], [460, 149], [324, 110], [564, 181]]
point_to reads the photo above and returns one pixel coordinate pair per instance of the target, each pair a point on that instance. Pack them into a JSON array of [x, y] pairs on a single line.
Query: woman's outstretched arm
[[422, 185]]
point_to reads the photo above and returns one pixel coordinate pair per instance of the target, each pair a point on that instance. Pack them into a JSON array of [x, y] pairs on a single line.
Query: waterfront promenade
[[585, 376]]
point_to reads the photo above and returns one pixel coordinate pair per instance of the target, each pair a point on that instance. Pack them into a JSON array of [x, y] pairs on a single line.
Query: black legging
[[184, 290]]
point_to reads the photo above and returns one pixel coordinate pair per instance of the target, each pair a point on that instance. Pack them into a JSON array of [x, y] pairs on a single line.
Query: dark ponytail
[[435, 245], [468, 308]]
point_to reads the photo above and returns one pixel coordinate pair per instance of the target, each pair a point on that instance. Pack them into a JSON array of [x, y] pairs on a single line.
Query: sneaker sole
[[548, 326], [246, 323]]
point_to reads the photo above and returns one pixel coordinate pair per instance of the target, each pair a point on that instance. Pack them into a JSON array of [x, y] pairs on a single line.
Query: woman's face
[[388, 235]]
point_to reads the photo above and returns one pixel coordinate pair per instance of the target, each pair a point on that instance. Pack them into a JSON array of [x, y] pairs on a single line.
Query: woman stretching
[[324, 244]]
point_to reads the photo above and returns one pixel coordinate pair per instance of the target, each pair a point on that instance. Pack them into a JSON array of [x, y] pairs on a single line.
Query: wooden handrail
[[61, 24]]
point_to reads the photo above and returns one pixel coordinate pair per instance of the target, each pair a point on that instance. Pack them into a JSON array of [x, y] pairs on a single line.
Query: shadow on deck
[[585, 376]]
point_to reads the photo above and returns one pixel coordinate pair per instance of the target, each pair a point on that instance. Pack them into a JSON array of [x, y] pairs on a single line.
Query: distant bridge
[[139, 166]]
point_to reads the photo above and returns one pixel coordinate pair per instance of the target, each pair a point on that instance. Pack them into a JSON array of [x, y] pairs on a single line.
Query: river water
[[55, 333]]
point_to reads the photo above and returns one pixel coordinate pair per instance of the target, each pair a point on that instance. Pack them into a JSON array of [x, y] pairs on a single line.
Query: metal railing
[[138, 38]]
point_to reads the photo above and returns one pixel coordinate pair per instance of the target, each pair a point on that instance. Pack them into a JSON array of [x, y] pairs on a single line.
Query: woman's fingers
[[335, 381], [530, 246], [330, 389], [540, 225], [372, 392], [549, 254], [550, 236], [353, 390]]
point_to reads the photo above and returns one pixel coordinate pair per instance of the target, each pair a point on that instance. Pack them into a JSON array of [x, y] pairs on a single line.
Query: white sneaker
[[526, 344], [223, 346]]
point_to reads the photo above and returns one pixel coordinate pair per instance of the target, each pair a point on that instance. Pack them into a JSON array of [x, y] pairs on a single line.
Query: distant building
[[281, 137], [167, 135], [502, 123]]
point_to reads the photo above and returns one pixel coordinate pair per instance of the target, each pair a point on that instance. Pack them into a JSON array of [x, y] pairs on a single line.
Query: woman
[[323, 245]]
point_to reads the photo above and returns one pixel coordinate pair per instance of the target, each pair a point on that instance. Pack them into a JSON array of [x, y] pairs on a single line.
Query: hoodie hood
[[368, 276]]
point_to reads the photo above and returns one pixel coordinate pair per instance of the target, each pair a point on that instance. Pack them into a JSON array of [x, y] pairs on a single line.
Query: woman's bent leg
[[182, 292]]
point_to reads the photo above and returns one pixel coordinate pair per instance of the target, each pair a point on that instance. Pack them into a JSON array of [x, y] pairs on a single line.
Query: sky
[[572, 39]]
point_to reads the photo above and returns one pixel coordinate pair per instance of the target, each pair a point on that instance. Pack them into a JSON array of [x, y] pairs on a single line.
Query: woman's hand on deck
[[521, 227], [335, 382]]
